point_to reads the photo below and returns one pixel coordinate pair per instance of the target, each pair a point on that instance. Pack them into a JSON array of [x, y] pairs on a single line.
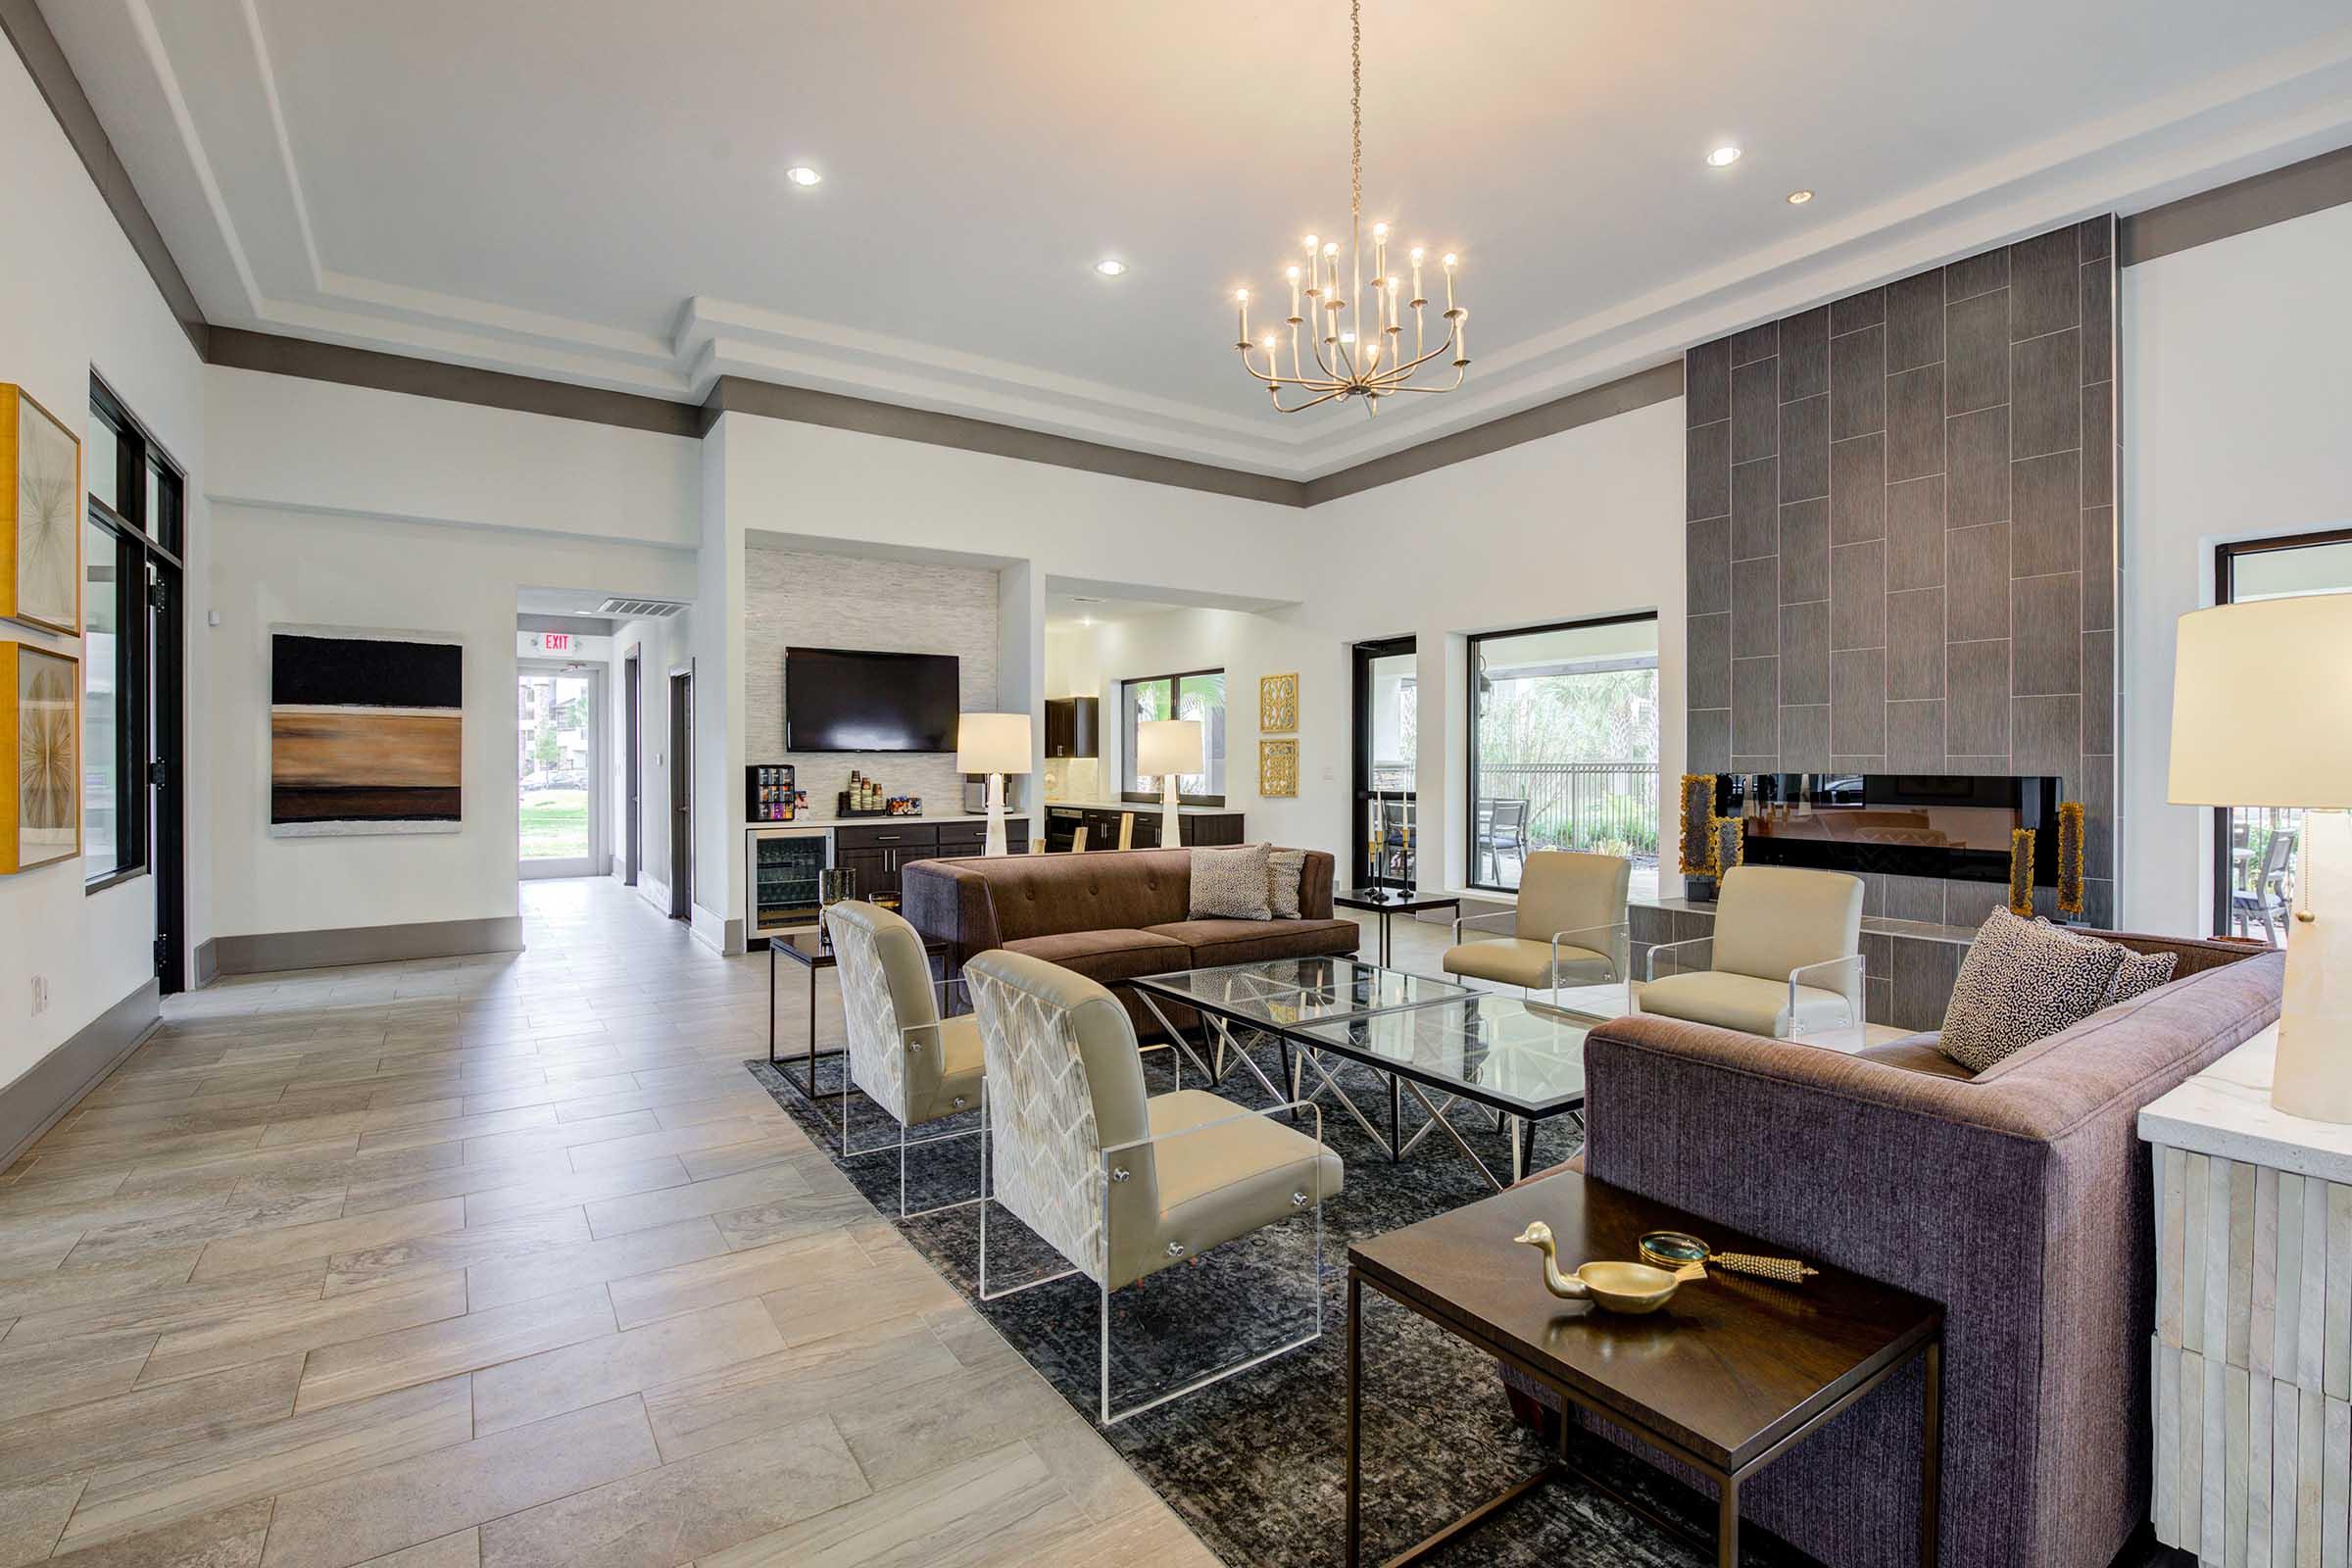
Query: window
[[131, 575], [1198, 695], [2256, 855], [1564, 746]]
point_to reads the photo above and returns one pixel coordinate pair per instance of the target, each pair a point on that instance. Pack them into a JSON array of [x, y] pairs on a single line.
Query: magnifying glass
[[1680, 1249]]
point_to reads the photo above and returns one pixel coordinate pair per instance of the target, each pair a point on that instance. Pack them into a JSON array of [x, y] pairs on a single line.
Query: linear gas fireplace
[[1902, 824]]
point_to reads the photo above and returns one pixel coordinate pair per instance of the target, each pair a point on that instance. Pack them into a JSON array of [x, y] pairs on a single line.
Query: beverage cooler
[[784, 866]]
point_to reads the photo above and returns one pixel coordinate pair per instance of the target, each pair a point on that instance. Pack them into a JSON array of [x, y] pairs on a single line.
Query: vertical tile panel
[[1805, 447], [2336, 1368], [1755, 343], [2286, 1336], [1805, 353], [1975, 352], [1804, 732], [2260, 1425], [1858, 383], [2215, 1345], [2098, 692], [1915, 322], [2192, 1451], [1915, 534], [1858, 489], [1858, 704], [1857, 311], [2098, 444], [1756, 509], [2171, 1257], [1915, 644], [2335, 1491], [1977, 705], [2099, 567], [1805, 653], [1755, 608], [2312, 1313], [2262, 1317], [1755, 709], [2192, 1275], [1977, 274], [2046, 635], [1707, 382], [2309, 1456], [2165, 1507], [2044, 284], [1915, 422], [2237, 1416], [1915, 737], [1976, 575], [1804, 552], [2045, 738], [1708, 472], [1858, 595], [2213, 1467], [2286, 1422], [1978, 458], [1755, 410], [2046, 395], [2098, 281], [1708, 680], [2046, 530], [2241, 1261], [1708, 736], [1706, 567]]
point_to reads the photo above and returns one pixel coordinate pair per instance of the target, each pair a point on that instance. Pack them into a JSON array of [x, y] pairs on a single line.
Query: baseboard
[[32, 1105], [208, 964], [723, 937], [266, 952], [652, 890]]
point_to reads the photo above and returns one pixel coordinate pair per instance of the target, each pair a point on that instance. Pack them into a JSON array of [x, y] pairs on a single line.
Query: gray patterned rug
[[1254, 1463]]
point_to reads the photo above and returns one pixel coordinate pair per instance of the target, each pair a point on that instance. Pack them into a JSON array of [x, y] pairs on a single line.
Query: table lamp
[[995, 744], [1169, 747], [2262, 716]]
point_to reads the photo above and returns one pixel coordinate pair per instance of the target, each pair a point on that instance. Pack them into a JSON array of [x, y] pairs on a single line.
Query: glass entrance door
[[558, 780], [1387, 759]]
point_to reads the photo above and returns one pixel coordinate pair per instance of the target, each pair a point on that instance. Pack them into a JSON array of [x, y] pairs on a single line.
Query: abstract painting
[[40, 514], [40, 722], [1278, 768], [1277, 703], [366, 732]]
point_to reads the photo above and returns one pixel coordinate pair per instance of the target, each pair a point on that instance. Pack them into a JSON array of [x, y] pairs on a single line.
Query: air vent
[[639, 609]]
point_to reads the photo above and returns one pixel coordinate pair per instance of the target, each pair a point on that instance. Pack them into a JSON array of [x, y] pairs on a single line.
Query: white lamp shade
[[2262, 704], [992, 742], [1164, 745]]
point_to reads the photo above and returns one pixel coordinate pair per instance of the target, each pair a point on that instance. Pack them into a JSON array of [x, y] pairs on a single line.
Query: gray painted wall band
[[268, 952], [2255, 201], [32, 1105]]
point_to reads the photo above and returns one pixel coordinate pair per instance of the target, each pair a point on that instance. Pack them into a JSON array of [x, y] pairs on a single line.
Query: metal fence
[[1606, 806]]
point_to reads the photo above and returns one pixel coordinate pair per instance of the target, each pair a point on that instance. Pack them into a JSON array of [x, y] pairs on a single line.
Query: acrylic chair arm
[[1611, 941], [1473, 919], [1115, 1170], [1843, 975], [1650, 969]]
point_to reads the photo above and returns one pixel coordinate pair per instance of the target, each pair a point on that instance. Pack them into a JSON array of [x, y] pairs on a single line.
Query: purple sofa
[[2020, 1198]]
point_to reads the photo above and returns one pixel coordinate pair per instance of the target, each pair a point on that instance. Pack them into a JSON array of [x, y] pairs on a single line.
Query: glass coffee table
[[1506, 1057]]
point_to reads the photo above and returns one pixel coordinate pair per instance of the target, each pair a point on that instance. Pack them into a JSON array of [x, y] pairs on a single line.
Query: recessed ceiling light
[[1798, 197], [1110, 267], [1723, 156], [803, 174]]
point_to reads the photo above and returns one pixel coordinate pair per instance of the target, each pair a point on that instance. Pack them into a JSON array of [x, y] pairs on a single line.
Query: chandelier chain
[[1355, 110]]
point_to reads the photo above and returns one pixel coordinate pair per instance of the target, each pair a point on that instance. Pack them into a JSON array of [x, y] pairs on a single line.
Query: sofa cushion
[[2021, 982], [1107, 956], [1745, 1002], [1216, 942], [1230, 884]]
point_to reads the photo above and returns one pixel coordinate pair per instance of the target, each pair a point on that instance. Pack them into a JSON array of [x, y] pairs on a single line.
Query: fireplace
[[1901, 824]]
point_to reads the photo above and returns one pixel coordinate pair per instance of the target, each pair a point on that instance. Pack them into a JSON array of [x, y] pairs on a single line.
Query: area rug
[[1254, 1463]]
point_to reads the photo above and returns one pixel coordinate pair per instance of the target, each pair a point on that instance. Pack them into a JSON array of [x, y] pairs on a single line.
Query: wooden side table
[[1731, 1375], [2250, 1388]]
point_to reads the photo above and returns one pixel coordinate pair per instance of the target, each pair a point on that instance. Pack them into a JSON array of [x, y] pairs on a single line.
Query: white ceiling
[[590, 190]]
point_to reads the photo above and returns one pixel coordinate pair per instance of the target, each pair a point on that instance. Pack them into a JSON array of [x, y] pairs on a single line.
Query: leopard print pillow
[[1230, 884], [2139, 973], [2022, 982], [1284, 868]]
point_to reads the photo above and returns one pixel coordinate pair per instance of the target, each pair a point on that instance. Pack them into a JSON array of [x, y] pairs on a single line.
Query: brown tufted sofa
[[1109, 916]]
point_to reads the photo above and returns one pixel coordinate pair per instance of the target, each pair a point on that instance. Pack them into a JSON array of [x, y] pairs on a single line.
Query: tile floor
[[493, 1262]]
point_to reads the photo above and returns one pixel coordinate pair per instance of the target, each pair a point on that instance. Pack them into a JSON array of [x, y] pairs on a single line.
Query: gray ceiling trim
[[46, 64], [735, 394], [1611, 398], [577, 626], [2255, 201], [242, 350]]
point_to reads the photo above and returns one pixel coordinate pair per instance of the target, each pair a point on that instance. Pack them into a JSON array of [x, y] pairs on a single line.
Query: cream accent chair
[[1569, 928], [1785, 957], [915, 1064], [1120, 1183]]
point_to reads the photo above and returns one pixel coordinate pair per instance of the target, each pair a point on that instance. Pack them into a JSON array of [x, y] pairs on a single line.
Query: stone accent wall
[[1901, 538]]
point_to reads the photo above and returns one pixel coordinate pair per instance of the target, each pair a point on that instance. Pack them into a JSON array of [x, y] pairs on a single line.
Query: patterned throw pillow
[[1284, 868], [2141, 972], [1230, 884], [2022, 982]]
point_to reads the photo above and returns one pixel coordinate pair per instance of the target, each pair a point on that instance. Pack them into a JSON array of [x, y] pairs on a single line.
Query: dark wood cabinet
[[877, 853], [1102, 823], [1072, 726]]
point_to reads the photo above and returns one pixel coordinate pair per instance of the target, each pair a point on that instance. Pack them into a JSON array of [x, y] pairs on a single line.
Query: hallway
[[503, 1261]]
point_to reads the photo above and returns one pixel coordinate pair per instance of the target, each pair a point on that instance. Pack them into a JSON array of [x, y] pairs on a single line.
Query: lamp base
[[2314, 1074], [993, 844], [1171, 821]]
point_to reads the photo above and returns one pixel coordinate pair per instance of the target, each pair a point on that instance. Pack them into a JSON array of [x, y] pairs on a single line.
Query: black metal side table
[[1387, 902], [811, 950]]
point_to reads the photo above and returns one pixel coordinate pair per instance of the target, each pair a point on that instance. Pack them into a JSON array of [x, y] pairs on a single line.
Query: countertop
[[2226, 1110], [1146, 807], [812, 819]]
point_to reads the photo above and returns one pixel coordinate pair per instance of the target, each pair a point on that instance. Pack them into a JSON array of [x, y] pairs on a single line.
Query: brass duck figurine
[[1629, 1288]]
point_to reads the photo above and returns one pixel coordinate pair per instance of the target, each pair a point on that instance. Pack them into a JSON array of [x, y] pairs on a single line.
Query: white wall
[[277, 566], [80, 300], [663, 645], [2238, 424]]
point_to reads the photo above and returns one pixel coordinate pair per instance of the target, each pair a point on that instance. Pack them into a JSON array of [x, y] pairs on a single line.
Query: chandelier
[[1353, 356]]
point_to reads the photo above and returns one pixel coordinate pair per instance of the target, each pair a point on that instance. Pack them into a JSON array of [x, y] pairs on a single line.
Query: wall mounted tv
[[843, 700]]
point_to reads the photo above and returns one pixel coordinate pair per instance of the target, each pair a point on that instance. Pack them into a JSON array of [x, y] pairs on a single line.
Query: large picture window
[[1197, 695], [1564, 746]]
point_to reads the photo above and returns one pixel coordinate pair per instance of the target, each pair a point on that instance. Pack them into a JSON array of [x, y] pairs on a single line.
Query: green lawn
[[555, 825]]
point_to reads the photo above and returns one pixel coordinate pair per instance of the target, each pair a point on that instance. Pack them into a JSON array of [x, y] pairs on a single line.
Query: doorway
[[559, 777], [1387, 760], [681, 794], [632, 767]]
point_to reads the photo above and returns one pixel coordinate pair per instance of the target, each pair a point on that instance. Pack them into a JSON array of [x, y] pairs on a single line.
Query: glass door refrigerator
[[785, 864]]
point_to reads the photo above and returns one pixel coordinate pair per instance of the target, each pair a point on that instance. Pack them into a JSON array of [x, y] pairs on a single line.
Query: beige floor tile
[[59, 1290], [780, 1219], [512, 1241], [827, 1258], [259, 1332], [42, 1376], [929, 1426], [245, 1254], [783, 1141], [305, 1206], [999, 1507], [601, 1133], [532, 1387], [968, 1334], [125, 1426], [814, 1309], [231, 1538], [325, 1161], [1089, 1470], [209, 1472], [462, 1550], [506, 1280], [878, 1360], [174, 1307], [405, 1357], [488, 1124], [640, 1212], [682, 1141], [1151, 1537], [560, 1188], [453, 1181], [422, 1498], [32, 1514], [684, 1510]]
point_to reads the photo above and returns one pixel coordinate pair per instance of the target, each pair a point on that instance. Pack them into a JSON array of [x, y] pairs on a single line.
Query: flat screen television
[[843, 700]]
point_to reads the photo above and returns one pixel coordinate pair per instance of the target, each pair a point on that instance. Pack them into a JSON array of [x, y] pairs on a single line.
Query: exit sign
[[556, 642]]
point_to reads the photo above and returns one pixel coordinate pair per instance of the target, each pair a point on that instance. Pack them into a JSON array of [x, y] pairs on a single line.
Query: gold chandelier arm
[[1296, 408], [1397, 372], [1448, 387]]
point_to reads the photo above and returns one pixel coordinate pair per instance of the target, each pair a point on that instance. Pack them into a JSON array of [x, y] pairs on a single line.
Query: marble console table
[[2252, 1355]]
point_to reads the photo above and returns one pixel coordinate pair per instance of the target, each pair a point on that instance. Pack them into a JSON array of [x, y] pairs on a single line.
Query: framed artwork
[[41, 725], [40, 514], [1277, 703], [1277, 767], [366, 732]]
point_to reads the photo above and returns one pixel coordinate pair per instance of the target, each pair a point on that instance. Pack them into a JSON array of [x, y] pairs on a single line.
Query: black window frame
[[1469, 818], [1126, 729]]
